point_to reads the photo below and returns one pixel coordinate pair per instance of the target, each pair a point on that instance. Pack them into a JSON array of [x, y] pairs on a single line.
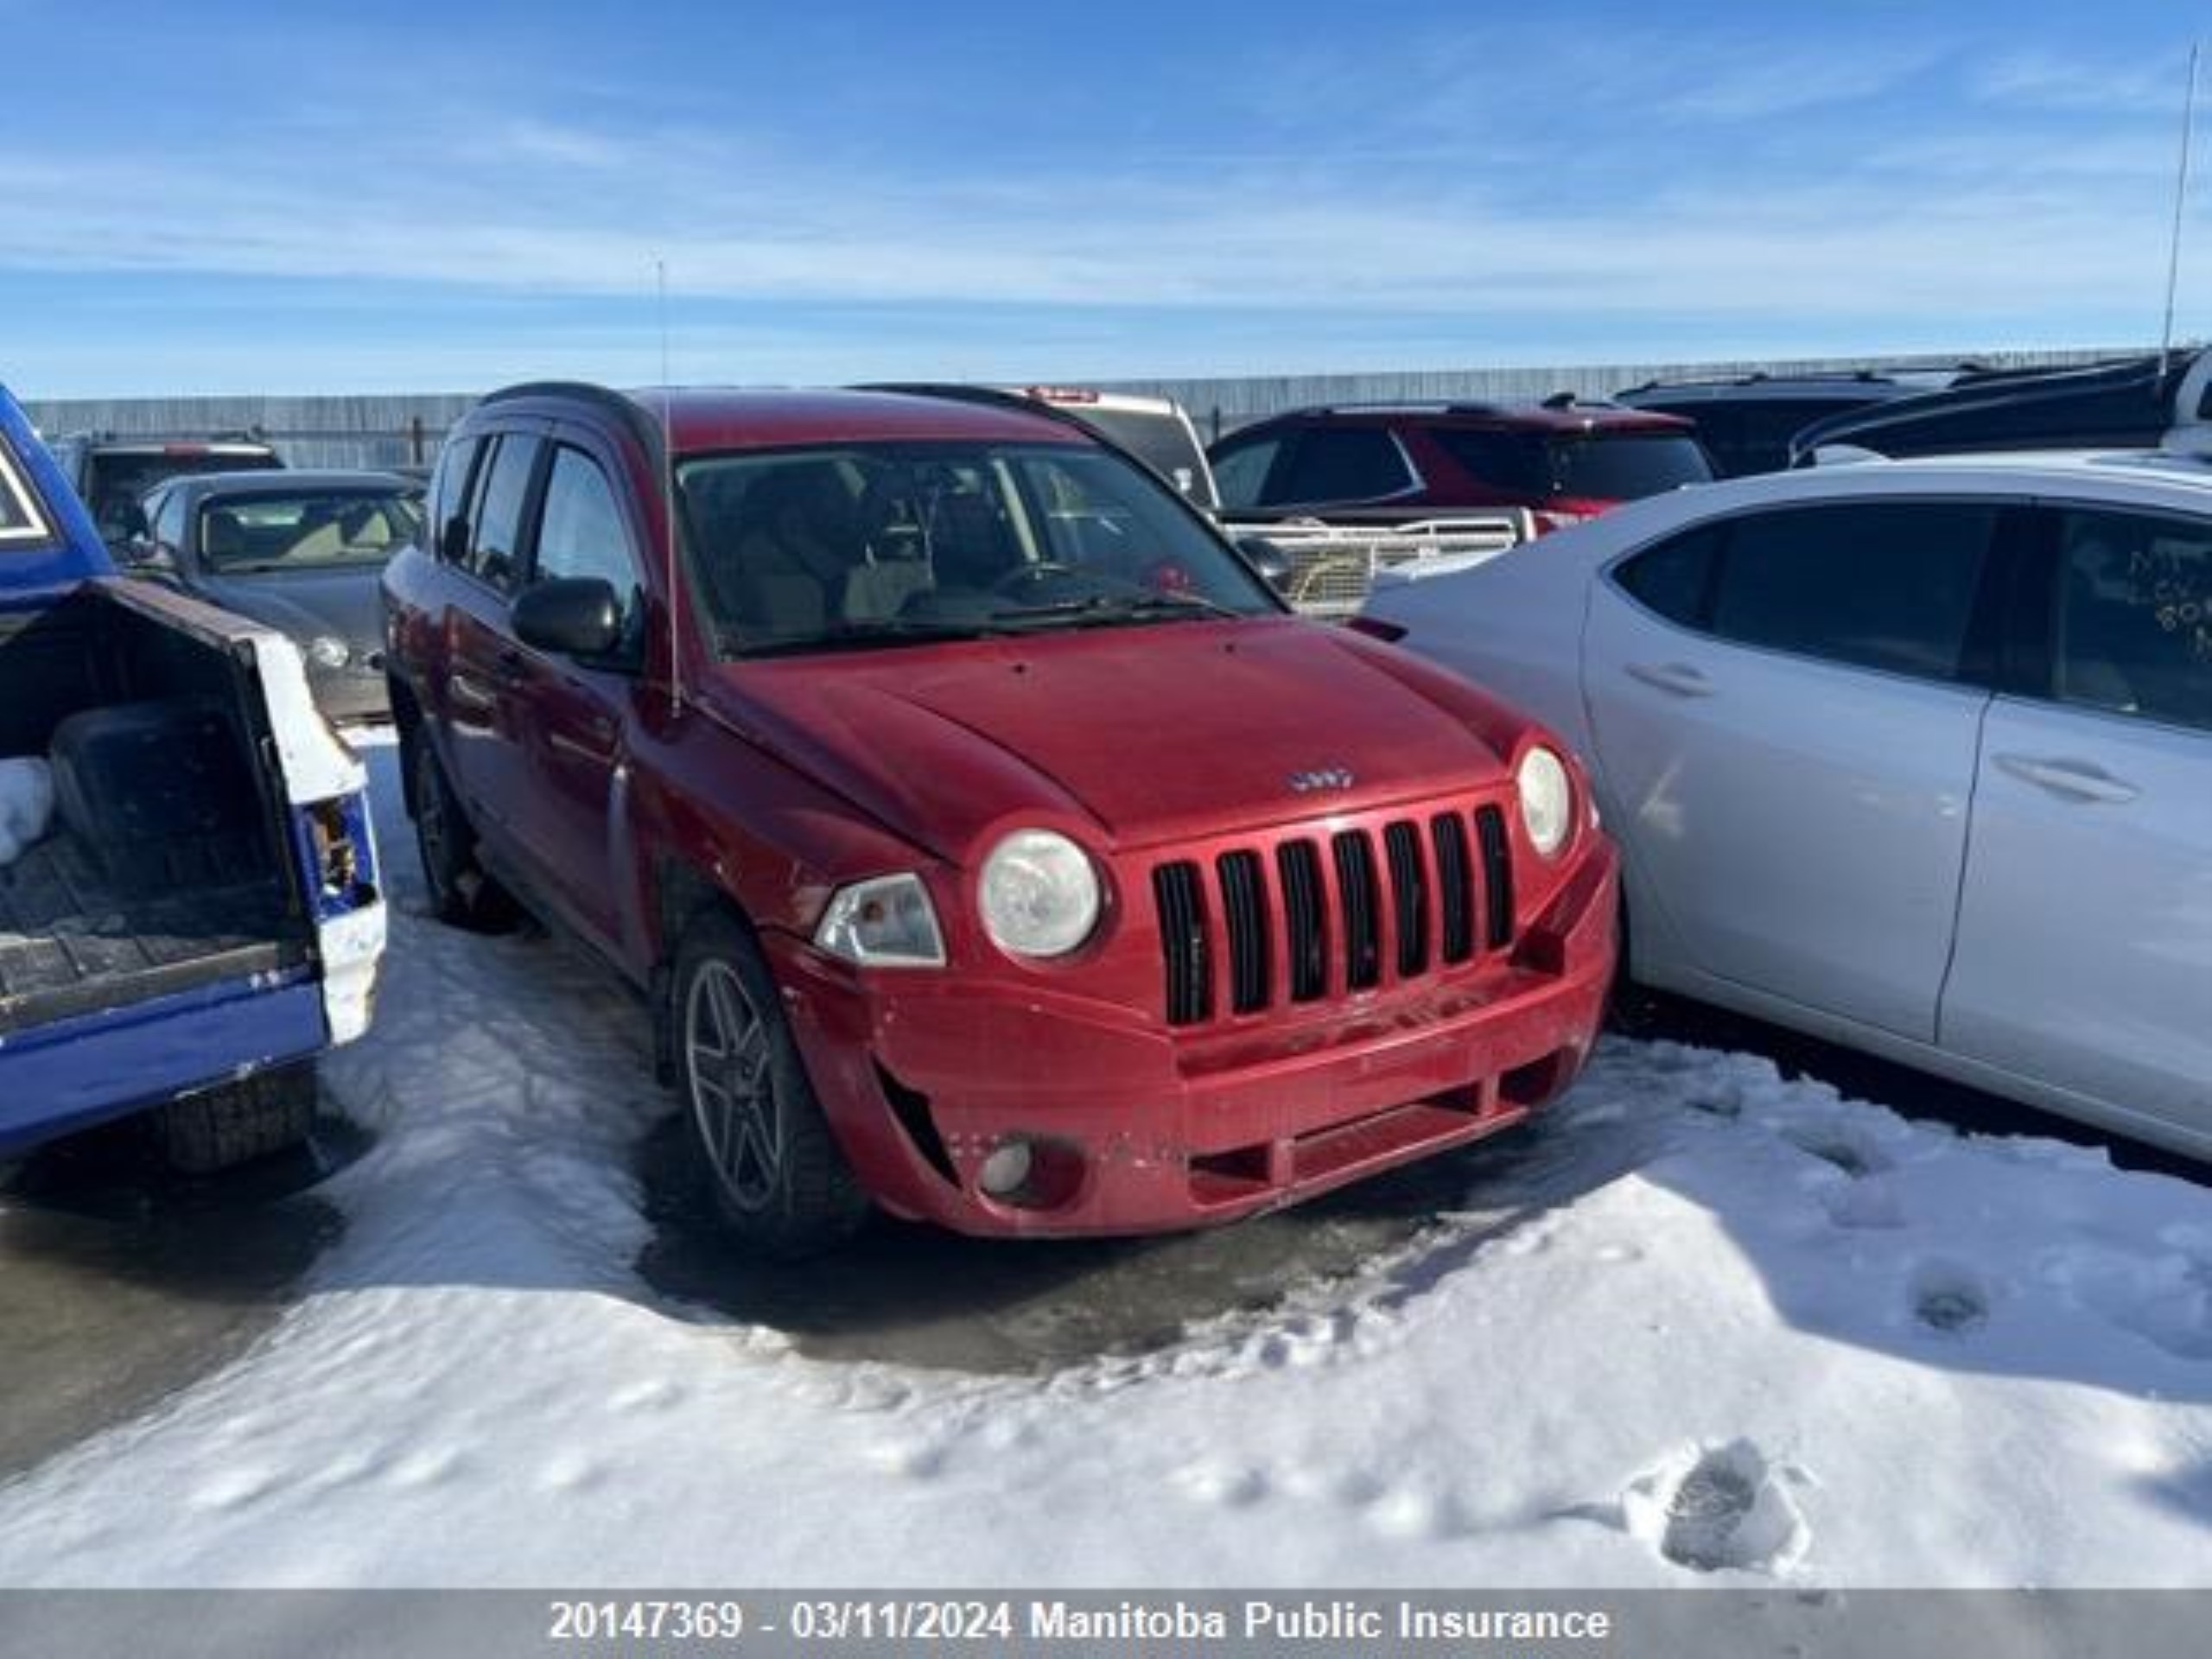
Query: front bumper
[[1139, 1128]]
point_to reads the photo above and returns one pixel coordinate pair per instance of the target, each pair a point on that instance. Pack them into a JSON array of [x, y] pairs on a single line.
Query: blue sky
[[298, 197]]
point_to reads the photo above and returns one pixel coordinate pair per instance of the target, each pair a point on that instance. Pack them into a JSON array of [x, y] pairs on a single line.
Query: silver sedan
[[1915, 756]]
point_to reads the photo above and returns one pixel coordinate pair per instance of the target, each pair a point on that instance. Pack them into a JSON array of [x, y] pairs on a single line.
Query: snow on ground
[[1805, 1341], [26, 803]]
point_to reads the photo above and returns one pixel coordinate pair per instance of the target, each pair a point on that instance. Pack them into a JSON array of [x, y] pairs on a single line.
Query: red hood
[[1155, 734]]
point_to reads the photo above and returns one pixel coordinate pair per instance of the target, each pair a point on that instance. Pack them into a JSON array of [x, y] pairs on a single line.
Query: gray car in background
[[300, 550], [1915, 756]]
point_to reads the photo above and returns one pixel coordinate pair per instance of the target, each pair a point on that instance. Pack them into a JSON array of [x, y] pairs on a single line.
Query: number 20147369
[[643, 1620]]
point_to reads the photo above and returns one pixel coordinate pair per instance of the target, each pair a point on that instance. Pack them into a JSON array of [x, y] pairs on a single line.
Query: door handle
[[2075, 780], [1679, 679]]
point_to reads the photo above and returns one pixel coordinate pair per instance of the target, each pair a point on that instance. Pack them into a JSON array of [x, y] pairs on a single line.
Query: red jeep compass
[[989, 840]]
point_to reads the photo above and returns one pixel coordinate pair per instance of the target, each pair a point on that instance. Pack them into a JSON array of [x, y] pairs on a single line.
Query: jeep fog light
[[1006, 1169], [1547, 800], [887, 922], [1039, 894]]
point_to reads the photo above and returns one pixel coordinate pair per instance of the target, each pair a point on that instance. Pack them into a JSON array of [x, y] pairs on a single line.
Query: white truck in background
[[1325, 567]]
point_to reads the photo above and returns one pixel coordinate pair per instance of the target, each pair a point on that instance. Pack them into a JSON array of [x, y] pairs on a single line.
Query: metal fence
[[400, 429], [323, 431]]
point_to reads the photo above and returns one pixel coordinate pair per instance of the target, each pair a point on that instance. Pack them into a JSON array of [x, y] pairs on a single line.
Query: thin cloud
[[2072, 84], [1845, 243], [1517, 186]]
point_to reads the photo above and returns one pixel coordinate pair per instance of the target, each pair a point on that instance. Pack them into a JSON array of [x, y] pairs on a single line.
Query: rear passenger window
[[2131, 627], [1885, 585], [1351, 463], [492, 553], [1674, 577]]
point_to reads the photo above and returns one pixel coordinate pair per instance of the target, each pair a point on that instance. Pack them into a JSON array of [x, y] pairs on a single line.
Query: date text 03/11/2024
[[981, 1620]]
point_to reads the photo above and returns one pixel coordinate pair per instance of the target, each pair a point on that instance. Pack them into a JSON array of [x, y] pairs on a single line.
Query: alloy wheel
[[733, 1095]]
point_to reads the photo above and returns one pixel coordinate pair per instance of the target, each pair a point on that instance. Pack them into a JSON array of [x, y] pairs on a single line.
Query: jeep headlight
[[1040, 895], [1547, 800], [327, 650], [886, 922]]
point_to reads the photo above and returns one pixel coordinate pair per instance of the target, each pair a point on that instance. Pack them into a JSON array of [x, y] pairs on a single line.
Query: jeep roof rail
[[995, 397], [966, 392], [623, 406]]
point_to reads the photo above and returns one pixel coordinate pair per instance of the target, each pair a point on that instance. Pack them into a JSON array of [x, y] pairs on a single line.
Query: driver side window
[[582, 532]]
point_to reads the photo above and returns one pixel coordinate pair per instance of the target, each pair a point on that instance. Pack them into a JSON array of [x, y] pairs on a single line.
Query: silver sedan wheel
[[733, 1095]]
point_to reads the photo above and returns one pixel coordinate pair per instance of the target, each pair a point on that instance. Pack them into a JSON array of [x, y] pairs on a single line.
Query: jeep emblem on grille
[[1307, 783]]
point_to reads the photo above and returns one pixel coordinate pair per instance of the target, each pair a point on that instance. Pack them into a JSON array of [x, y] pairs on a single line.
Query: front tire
[[778, 1178], [237, 1122], [462, 894]]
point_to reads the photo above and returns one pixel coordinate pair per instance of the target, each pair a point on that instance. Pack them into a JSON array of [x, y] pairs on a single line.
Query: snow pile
[[26, 805], [1702, 1325]]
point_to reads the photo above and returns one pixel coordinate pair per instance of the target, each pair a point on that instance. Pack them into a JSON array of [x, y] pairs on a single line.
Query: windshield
[[871, 544], [313, 530], [1160, 440]]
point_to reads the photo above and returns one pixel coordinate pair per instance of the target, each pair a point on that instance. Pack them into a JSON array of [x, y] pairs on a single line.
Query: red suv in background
[[989, 840], [1562, 459]]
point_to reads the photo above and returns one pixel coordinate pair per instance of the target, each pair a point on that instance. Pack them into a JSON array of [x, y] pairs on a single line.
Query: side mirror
[[1270, 561], [570, 616], [145, 555]]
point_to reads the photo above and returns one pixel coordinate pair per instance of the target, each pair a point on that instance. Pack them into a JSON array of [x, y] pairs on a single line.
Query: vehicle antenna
[[2181, 197], [668, 499]]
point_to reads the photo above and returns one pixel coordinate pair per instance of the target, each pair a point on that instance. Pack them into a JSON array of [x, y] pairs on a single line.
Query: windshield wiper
[[877, 631], [1119, 607]]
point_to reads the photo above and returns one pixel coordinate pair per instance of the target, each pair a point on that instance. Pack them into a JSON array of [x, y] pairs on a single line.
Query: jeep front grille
[[1326, 914]]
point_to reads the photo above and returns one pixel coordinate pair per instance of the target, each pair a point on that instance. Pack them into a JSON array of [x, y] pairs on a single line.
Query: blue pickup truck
[[190, 908]]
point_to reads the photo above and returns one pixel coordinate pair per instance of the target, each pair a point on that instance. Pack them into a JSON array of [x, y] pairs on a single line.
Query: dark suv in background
[[2157, 399], [1561, 459], [1746, 421]]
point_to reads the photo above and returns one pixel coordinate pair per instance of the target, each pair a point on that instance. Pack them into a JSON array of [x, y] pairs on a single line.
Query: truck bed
[[73, 941], [165, 870]]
